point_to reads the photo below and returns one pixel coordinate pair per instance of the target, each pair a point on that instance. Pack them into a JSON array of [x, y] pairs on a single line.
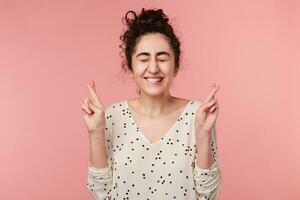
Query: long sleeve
[[208, 181], [99, 180]]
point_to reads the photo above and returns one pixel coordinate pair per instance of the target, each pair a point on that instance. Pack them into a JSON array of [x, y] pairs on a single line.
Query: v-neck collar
[[141, 134]]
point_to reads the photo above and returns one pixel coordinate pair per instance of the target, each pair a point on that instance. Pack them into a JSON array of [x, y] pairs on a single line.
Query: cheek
[[138, 74], [138, 69], [168, 69]]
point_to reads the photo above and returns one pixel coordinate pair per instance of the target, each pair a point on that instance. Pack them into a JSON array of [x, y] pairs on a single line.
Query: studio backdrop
[[49, 50]]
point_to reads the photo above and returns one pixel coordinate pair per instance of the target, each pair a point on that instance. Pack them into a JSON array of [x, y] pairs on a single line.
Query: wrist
[[96, 133], [203, 134], [203, 137]]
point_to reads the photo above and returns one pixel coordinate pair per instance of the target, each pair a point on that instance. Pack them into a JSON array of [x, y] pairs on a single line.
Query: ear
[[175, 71], [130, 73]]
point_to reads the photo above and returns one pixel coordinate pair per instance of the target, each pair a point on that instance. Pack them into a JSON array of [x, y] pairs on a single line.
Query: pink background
[[51, 49]]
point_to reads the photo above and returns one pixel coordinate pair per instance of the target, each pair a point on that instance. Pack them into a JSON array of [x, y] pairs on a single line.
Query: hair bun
[[146, 17], [152, 16]]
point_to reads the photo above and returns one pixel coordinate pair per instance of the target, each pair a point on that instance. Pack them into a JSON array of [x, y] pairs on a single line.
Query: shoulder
[[188, 100], [190, 105], [195, 104], [114, 107]]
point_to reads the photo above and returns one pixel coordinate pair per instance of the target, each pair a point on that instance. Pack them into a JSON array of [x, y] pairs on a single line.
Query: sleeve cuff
[[97, 170], [211, 168]]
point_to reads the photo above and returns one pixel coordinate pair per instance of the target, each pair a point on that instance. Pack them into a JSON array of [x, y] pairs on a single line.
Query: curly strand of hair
[[130, 20]]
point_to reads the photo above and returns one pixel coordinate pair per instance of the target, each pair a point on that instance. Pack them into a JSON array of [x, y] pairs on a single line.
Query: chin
[[154, 92]]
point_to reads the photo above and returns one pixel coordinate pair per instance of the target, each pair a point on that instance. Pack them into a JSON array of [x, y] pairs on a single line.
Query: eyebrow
[[157, 54]]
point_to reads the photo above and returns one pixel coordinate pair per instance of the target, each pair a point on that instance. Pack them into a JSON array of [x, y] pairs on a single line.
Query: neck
[[155, 105]]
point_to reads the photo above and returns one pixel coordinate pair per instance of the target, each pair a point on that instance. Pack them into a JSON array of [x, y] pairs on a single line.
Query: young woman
[[156, 146]]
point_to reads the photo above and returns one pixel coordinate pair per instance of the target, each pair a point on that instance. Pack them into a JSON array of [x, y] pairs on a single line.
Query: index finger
[[94, 96], [212, 93]]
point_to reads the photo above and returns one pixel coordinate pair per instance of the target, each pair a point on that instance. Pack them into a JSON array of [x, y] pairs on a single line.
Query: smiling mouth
[[154, 79]]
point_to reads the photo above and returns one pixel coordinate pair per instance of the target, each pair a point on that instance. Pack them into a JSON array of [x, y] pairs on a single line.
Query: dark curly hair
[[148, 21]]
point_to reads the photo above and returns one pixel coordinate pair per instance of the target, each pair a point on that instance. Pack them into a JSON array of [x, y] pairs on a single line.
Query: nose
[[153, 66]]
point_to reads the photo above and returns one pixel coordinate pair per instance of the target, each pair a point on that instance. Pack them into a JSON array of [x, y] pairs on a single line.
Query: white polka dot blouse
[[140, 170]]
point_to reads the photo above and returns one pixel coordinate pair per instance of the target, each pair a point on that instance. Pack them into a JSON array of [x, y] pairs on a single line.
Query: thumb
[[92, 106]]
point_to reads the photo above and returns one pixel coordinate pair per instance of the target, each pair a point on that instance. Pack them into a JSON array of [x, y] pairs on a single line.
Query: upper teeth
[[154, 79]]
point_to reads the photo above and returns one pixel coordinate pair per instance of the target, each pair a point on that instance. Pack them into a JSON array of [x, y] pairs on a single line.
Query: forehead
[[153, 42]]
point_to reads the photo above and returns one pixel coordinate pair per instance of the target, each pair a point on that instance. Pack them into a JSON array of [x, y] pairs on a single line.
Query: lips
[[154, 79]]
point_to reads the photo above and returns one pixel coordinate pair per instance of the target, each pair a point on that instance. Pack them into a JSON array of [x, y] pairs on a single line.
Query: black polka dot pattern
[[140, 169]]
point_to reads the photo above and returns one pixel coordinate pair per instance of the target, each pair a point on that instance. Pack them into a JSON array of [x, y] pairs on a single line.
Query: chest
[[155, 128]]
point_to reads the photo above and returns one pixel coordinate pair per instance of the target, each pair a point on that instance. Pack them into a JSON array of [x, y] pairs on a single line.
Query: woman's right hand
[[93, 111]]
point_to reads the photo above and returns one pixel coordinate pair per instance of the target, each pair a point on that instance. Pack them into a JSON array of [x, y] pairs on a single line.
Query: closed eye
[[162, 58]]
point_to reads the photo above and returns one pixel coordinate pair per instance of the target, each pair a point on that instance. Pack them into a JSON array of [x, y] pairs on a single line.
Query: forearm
[[204, 152], [98, 157]]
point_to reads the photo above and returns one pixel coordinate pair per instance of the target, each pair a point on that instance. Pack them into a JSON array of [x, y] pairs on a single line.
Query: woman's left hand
[[207, 113]]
